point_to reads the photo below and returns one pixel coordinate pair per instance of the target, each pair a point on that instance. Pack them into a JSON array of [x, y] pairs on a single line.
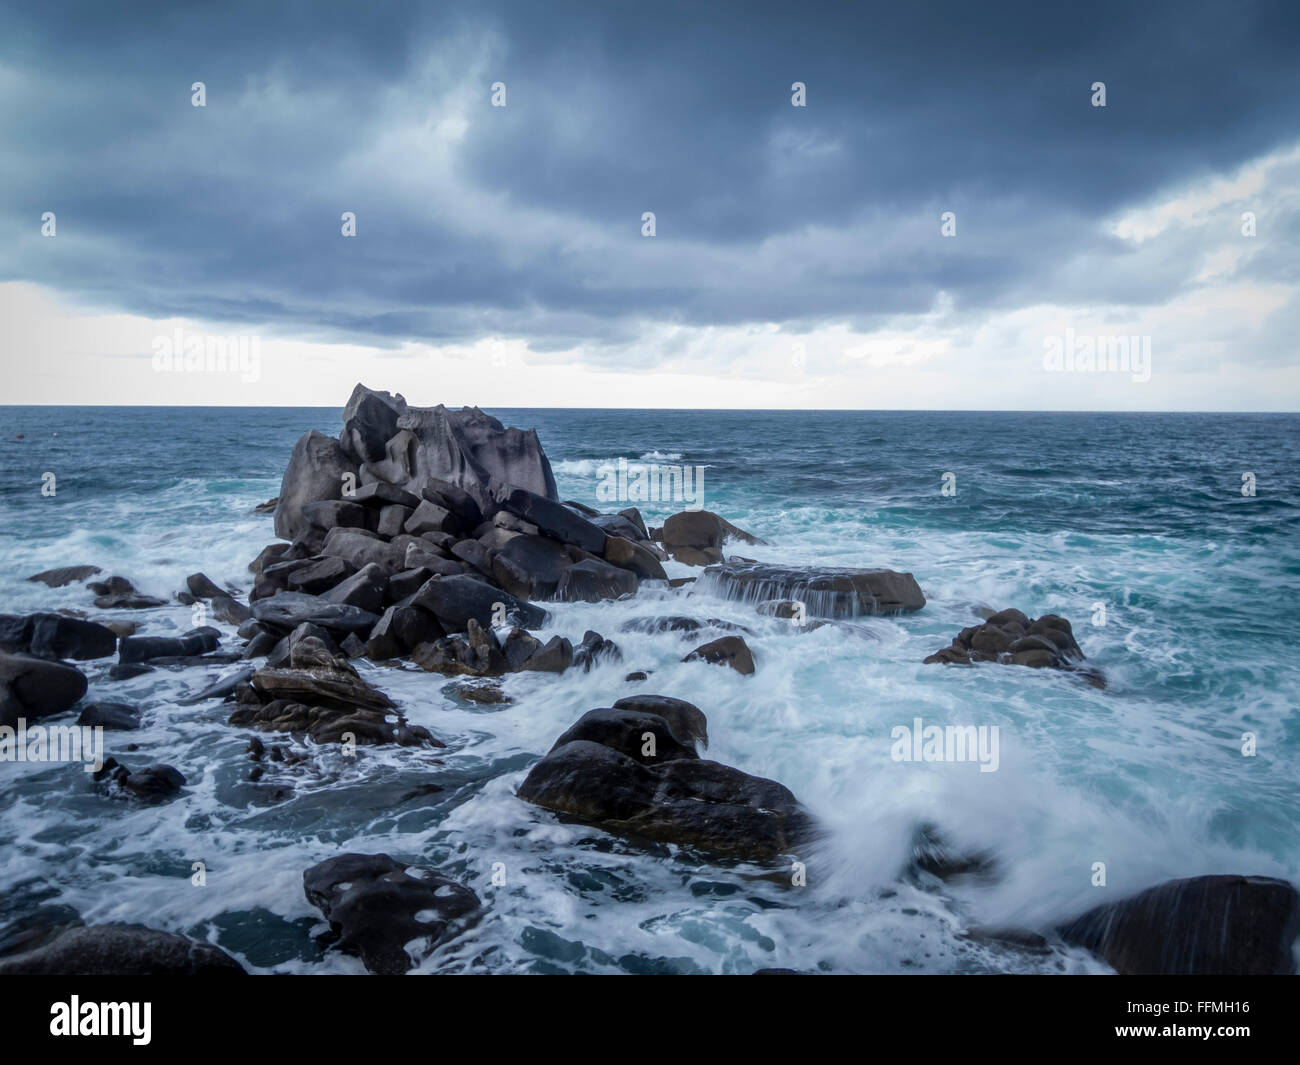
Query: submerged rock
[[117, 593], [152, 784], [376, 907], [826, 593], [65, 575], [110, 716], [1202, 926], [121, 950]]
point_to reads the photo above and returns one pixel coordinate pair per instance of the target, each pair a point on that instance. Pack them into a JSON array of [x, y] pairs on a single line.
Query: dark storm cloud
[[526, 220]]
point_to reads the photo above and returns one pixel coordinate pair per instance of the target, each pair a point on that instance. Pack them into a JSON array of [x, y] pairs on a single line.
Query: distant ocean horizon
[[1184, 528]]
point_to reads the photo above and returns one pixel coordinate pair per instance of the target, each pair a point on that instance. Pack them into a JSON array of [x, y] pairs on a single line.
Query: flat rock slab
[[825, 592], [285, 611]]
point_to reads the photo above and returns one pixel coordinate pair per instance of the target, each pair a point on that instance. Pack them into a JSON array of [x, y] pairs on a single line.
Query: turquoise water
[[1141, 515]]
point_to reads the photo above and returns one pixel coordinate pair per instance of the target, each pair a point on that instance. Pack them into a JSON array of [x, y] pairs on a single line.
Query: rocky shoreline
[[433, 539]]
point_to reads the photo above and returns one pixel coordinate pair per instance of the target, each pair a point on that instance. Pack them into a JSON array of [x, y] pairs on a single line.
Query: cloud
[[524, 222]]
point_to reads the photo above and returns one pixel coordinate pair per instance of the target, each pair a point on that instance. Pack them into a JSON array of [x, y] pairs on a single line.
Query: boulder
[[202, 586], [365, 589], [595, 649], [144, 648], [555, 656], [381, 494], [55, 636], [454, 601], [330, 514], [552, 518], [644, 737], [152, 784], [728, 651], [688, 801], [686, 720], [369, 422], [109, 716], [825, 592], [392, 519], [629, 555], [400, 630], [315, 472], [285, 611], [592, 581], [65, 575], [361, 549], [430, 517], [376, 907], [1202, 926], [117, 593], [33, 688], [319, 576], [530, 567], [701, 529], [121, 950]]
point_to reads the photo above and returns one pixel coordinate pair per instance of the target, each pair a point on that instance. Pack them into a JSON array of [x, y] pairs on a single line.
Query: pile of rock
[[417, 522], [315, 691], [1014, 638], [633, 770]]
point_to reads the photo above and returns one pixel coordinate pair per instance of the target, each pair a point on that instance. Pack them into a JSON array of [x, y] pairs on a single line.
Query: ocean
[[1181, 585]]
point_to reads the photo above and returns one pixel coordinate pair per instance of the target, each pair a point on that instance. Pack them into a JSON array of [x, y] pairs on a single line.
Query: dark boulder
[[685, 719], [315, 473], [687, 801], [313, 578], [595, 649], [530, 567], [552, 518], [629, 555], [152, 784], [1012, 638], [109, 716], [117, 593], [121, 950], [144, 648], [369, 422], [33, 688], [285, 611], [454, 601], [728, 651], [55, 636], [592, 581], [644, 737], [65, 575], [365, 589], [375, 907], [1202, 926], [381, 494]]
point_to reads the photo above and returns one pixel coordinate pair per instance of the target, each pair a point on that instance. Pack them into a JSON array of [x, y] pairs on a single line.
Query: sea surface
[[1184, 591]]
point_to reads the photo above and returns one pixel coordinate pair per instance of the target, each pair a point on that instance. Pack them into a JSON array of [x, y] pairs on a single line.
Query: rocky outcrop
[[376, 906], [1203, 926], [1013, 638], [825, 593], [631, 772], [121, 950]]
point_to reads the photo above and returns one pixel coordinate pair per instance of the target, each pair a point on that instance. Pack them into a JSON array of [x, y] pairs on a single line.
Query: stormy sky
[[798, 256]]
